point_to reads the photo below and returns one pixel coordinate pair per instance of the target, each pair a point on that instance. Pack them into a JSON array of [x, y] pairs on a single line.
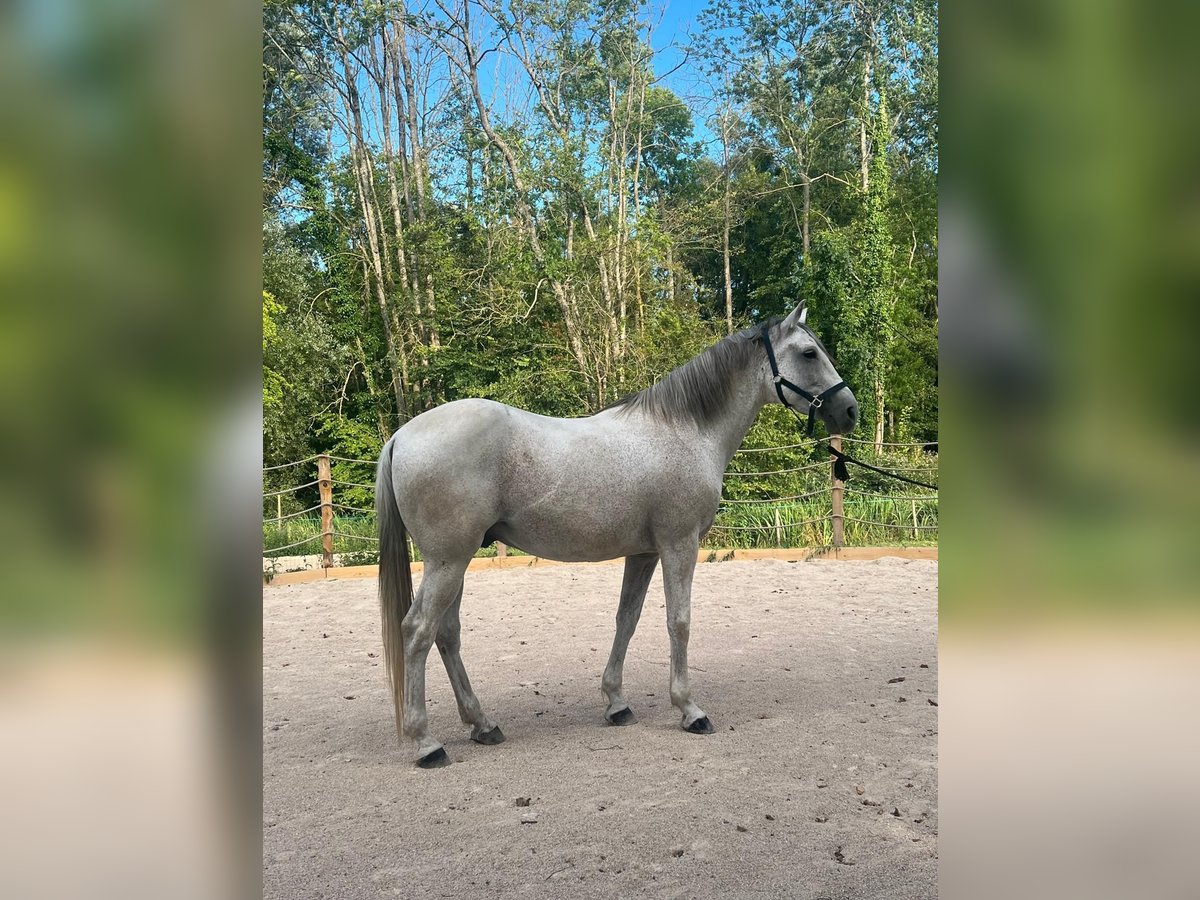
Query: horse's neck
[[727, 431]]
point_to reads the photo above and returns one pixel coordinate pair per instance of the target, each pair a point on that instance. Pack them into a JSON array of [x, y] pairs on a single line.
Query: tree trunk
[[637, 203], [385, 108], [864, 156], [671, 272], [879, 412], [402, 129], [363, 184], [725, 228], [414, 137], [470, 168], [805, 211], [524, 211], [725, 262]]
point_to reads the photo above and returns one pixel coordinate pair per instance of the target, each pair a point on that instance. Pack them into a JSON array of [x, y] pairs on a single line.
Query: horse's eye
[[810, 353]]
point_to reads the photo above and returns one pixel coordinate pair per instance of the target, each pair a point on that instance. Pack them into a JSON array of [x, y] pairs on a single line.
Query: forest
[[552, 203]]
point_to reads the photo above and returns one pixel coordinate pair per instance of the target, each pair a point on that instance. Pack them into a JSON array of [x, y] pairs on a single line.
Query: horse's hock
[[820, 676]]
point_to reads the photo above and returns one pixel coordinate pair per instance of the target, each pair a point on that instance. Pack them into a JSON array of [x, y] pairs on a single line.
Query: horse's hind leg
[[483, 729], [439, 588], [638, 571]]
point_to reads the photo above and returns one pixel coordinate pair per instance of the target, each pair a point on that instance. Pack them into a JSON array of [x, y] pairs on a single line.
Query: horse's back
[[456, 420], [482, 443]]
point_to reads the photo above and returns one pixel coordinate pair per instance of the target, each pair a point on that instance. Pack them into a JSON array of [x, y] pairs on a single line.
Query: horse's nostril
[[852, 409]]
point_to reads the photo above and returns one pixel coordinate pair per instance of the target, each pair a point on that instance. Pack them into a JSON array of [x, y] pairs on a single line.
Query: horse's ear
[[797, 316]]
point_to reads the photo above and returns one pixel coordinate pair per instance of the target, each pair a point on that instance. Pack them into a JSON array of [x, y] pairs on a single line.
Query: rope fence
[[290, 490], [297, 543], [811, 443], [907, 444], [302, 512], [808, 468], [288, 465], [331, 525], [720, 527], [874, 496], [825, 510], [803, 496], [889, 524]]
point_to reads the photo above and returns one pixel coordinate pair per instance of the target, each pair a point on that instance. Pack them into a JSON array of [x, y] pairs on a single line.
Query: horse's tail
[[395, 578]]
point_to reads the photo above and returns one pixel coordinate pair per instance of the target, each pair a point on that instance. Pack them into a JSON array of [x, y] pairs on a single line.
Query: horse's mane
[[700, 389]]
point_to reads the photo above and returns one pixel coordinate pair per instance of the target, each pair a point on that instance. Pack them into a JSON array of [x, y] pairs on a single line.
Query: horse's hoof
[[495, 736], [621, 717], [702, 725], [434, 760]]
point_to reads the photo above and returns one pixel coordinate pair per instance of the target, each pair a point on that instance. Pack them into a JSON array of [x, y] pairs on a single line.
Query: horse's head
[[804, 375]]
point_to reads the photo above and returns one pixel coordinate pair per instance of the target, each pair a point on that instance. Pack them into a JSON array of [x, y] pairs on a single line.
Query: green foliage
[[626, 204], [273, 382]]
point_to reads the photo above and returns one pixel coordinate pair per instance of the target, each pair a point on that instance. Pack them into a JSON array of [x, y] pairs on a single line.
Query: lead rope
[[843, 474]]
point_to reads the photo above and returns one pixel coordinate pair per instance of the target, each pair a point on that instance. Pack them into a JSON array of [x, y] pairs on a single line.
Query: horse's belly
[[568, 540], [606, 527]]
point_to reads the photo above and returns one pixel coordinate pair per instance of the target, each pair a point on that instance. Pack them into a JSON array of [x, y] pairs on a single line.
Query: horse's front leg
[[638, 572], [679, 565]]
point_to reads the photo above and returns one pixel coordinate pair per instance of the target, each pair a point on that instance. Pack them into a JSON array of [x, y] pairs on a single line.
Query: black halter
[[815, 401]]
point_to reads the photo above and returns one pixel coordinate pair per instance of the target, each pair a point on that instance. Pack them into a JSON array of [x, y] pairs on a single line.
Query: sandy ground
[[820, 782]]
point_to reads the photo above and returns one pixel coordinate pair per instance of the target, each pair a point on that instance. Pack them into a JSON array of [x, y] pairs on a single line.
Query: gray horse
[[640, 479]]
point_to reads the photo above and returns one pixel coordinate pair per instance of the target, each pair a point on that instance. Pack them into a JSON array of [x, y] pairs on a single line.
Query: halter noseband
[[815, 401]]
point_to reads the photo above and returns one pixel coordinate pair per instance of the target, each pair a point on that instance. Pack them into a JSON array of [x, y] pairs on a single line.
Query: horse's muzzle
[[841, 413]]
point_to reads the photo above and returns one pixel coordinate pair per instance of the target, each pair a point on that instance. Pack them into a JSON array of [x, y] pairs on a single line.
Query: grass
[[352, 534], [807, 523], [869, 522]]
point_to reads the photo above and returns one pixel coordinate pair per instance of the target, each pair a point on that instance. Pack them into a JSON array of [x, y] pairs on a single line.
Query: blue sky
[[678, 23], [674, 23]]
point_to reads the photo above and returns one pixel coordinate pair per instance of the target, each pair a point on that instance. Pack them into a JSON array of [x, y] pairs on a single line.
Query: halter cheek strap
[[815, 401]]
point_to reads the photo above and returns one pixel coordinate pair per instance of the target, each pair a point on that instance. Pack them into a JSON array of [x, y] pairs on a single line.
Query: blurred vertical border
[[1070, 580], [1070, 253], [130, 161]]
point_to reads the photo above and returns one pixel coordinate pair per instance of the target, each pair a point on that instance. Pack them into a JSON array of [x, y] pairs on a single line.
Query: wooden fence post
[[325, 486], [501, 549], [778, 529], [839, 522]]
